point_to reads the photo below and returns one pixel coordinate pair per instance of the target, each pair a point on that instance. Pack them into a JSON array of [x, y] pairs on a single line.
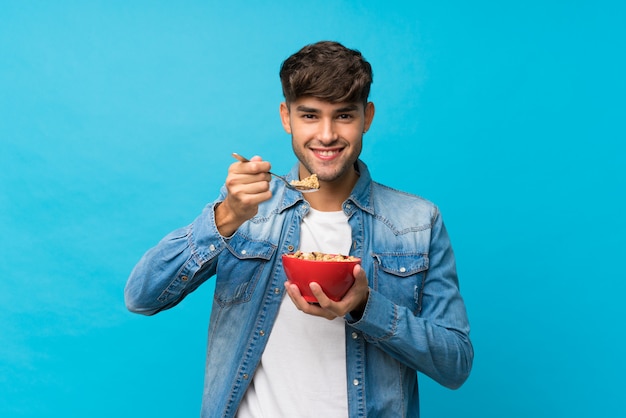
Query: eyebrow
[[348, 108]]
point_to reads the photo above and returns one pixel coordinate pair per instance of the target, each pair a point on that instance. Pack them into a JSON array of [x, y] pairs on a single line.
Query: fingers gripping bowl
[[331, 271]]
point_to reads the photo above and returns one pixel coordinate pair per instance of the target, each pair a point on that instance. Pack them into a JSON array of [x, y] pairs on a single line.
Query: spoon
[[303, 189]]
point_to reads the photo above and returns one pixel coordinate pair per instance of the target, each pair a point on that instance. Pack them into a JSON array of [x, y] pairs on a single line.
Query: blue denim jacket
[[414, 321]]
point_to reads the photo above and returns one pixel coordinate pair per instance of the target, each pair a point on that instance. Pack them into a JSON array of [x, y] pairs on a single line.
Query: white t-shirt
[[303, 368]]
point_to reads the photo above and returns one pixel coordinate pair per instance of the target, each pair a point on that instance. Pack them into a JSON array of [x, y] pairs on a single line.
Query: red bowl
[[335, 277]]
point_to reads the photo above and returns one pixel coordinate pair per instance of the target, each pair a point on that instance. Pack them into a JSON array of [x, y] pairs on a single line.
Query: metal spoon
[[303, 189]]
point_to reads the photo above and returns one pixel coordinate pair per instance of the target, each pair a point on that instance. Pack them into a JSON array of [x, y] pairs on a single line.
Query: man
[[274, 356]]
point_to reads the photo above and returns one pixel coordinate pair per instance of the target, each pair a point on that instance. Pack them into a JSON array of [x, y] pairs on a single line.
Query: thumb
[[358, 272]]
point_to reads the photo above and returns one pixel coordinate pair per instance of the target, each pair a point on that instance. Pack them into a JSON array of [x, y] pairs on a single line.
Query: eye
[[345, 116], [308, 116]]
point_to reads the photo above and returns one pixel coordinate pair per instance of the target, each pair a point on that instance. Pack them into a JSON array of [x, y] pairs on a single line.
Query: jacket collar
[[362, 192]]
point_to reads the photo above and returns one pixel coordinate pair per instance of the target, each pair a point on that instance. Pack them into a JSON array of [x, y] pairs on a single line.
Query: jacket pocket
[[400, 277], [240, 268]]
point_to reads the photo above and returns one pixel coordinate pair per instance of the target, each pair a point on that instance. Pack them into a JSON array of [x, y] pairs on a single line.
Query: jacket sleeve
[[436, 340], [176, 266]]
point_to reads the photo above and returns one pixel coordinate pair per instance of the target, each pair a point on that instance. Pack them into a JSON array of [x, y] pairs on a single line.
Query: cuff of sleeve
[[379, 320], [204, 239]]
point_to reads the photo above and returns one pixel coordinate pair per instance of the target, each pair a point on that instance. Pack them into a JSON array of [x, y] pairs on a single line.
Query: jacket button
[[355, 335], [211, 247], [261, 333], [355, 382], [184, 278], [290, 247], [245, 376], [243, 252], [402, 269]]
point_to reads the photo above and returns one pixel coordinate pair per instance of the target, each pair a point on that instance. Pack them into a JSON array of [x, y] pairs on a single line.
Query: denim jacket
[[414, 320]]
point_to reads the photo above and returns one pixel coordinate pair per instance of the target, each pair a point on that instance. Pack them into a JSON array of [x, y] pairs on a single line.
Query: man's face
[[326, 137]]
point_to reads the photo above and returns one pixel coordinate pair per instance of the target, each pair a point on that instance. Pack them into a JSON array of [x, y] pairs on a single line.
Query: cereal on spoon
[[308, 183]]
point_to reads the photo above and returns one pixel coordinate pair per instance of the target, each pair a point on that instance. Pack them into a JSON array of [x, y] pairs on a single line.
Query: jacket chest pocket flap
[[400, 277], [239, 268]]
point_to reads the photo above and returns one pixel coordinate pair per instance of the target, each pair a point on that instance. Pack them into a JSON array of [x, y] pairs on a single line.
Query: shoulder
[[388, 198]]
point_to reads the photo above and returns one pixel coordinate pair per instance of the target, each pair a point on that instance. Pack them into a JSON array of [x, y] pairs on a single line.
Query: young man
[[271, 355]]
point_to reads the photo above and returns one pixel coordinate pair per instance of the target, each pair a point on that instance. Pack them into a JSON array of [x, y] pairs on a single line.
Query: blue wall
[[117, 120]]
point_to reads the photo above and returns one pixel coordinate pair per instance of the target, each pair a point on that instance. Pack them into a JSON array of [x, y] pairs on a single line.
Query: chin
[[329, 177]]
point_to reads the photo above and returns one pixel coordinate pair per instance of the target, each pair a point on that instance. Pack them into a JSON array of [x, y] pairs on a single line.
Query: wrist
[[225, 221], [357, 312]]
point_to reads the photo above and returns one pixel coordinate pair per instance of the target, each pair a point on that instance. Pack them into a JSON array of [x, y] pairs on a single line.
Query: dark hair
[[327, 71]]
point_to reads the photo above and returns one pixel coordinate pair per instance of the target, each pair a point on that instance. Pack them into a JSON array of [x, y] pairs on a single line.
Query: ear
[[285, 117], [369, 116]]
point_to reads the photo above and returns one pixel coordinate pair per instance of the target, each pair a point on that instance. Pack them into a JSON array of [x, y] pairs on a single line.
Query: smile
[[327, 153]]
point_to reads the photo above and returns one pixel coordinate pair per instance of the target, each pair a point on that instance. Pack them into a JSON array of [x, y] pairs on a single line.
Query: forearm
[[175, 267], [441, 351]]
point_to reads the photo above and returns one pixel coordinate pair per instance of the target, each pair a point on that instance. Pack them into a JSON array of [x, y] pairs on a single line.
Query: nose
[[327, 132]]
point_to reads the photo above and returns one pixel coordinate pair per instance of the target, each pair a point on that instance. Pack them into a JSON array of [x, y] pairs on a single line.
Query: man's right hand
[[248, 185]]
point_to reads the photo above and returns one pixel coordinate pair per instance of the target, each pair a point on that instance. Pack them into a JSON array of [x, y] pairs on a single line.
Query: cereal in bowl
[[317, 256]]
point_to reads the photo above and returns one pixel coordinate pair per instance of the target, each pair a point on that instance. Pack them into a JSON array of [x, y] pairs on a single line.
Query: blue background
[[117, 120]]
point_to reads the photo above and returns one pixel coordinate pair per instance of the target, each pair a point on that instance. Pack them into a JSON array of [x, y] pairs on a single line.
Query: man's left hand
[[354, 300]]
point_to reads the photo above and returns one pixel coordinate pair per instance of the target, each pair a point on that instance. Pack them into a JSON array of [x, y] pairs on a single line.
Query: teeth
[[327, 153]]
